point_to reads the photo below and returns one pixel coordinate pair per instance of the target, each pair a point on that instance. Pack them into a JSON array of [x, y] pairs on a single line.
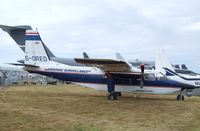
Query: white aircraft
[[10, 67], [112, 75]]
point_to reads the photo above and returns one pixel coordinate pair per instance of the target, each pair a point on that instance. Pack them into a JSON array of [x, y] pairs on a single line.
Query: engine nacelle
[[189, 92]]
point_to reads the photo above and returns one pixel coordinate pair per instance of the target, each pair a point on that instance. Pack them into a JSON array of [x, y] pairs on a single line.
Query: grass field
[[69, 107]]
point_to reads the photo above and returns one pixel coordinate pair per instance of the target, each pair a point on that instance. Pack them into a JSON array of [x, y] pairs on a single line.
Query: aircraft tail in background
[[85, 55], [119, 56], [18, 33], [161, 61]]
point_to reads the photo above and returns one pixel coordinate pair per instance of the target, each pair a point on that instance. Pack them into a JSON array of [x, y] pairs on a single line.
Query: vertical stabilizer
[[161, 61], [35, 52], [119, 56], [18, 33], [85, 55]]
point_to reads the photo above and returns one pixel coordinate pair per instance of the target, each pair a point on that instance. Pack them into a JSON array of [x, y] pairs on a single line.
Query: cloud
[[136, 28], [193, 27]]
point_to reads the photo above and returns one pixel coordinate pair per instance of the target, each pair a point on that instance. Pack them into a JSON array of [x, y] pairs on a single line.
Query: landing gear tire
[[112, 96], [180, 97], [118, 93]]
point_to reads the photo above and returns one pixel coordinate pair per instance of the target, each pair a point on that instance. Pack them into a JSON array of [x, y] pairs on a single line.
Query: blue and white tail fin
[[35, 52], [162, 62]]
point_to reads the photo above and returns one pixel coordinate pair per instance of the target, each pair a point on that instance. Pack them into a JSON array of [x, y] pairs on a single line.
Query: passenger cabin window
[[150, 77]]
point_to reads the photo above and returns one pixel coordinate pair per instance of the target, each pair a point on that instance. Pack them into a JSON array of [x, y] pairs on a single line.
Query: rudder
[[35, 52], [161, 61]]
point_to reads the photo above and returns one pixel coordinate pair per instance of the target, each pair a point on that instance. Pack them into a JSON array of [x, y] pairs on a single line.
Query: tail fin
[[184, 67], [161, 62], [18, 33], [119, 56], [85, 55], [35, 52]]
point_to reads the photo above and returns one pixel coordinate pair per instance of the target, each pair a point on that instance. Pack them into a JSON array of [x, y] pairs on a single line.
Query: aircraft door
[[150, 77]]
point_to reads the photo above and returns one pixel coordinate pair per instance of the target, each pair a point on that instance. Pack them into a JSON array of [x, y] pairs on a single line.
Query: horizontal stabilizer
[[21, 61], [27, 65]]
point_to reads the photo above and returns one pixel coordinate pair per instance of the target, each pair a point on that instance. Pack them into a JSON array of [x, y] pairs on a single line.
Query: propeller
[[142, 76]]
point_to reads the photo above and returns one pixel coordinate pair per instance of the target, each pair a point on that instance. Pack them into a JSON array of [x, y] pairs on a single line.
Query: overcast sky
[[135, 28]]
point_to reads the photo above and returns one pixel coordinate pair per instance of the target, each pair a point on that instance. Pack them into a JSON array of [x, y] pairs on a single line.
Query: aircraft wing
[[106, 64]]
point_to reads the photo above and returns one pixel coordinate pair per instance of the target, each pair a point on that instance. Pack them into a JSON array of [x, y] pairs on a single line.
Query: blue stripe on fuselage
[[74, 77], [99, 79]]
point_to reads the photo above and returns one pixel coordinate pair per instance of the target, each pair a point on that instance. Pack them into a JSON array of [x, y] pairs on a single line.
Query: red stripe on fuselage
[[31, 33]]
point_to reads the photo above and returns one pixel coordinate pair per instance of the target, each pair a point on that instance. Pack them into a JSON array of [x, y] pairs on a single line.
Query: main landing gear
[[118, 93], [112, 94], [180, 96]]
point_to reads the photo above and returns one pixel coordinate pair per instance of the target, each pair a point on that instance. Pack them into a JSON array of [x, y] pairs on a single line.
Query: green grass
[[72, 108]]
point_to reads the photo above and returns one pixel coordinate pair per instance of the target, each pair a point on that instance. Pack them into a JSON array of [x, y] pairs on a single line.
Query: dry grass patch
[[70, 107]]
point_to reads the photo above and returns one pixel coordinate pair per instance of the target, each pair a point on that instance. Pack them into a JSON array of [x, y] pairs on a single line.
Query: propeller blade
[[142, 68], [142, 76]]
